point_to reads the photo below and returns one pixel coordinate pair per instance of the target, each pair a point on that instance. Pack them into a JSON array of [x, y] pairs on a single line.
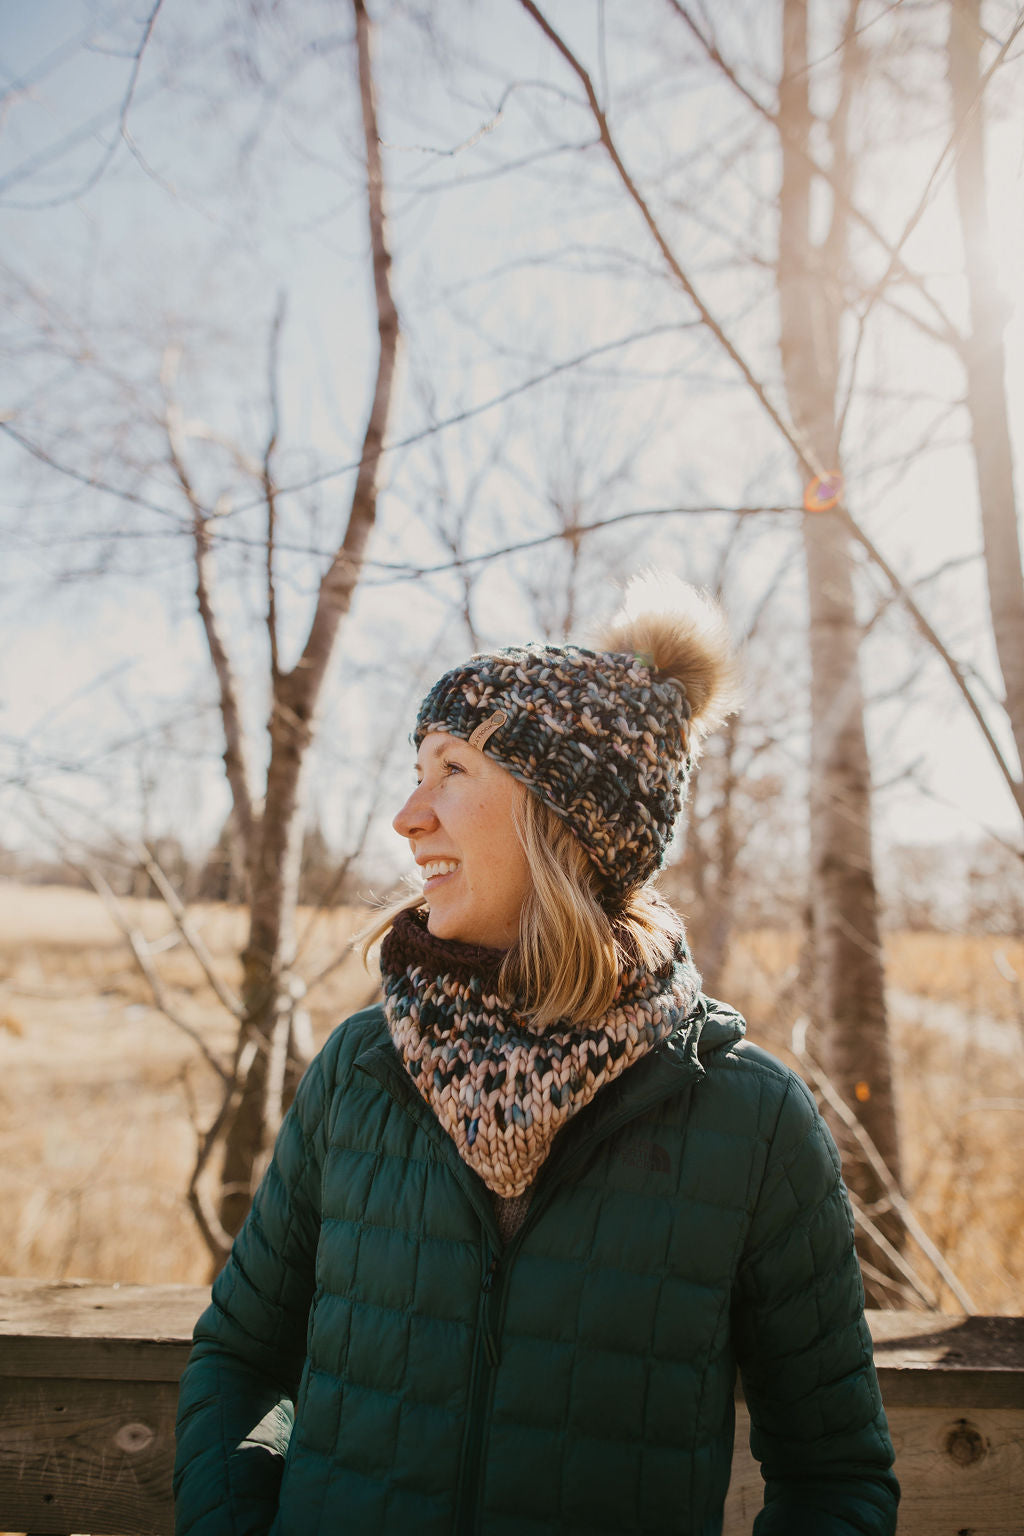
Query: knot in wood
[[965, 1444], [133, 1438]]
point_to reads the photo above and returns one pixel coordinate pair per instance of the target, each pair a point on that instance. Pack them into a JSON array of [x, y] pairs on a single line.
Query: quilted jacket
[[375, 1363]]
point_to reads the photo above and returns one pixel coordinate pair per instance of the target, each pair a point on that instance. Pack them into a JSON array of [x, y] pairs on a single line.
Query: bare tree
[[275, 838], [850, 1001], [273, 1040]]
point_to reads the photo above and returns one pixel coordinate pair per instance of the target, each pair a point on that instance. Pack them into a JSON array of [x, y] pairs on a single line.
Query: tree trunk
[[268, 986], [985, 366], [849, 994]]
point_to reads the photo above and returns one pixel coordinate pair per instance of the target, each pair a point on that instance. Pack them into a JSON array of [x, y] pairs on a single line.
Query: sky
[[164, 255]]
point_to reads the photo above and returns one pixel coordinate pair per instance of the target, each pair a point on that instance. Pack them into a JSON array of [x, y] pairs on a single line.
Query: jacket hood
[[709, 1026]]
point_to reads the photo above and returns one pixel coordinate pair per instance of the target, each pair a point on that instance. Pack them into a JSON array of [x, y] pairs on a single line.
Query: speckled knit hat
[[604, 737]]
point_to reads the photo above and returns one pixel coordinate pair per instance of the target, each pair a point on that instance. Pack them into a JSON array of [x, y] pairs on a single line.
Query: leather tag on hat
[[486, 729]]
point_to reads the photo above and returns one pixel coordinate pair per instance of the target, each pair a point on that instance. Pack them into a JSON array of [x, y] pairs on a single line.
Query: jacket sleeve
[[817, 1423], [236, 1402]]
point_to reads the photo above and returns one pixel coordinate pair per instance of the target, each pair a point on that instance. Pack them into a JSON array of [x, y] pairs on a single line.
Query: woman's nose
[[416, 815]]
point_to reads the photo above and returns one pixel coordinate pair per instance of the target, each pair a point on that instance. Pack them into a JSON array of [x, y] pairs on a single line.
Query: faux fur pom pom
[[684, 631]]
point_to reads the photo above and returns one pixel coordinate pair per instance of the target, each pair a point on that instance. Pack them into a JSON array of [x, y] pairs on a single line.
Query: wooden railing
[[88, 1382]]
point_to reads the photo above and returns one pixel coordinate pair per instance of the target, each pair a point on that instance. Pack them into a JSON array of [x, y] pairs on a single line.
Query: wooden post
[[88, 1392]]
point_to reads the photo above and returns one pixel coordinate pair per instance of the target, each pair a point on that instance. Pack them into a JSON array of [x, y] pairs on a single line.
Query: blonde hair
[[571, 952]]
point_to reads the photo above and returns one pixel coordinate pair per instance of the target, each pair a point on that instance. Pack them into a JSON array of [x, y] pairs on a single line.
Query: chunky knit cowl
[[501, 1089]]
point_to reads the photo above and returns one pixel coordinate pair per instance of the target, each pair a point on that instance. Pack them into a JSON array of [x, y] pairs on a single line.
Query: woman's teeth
[[440, 867]]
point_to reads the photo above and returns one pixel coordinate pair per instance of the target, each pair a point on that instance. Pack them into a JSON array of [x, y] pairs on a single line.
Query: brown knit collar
[[411, 939], [500, 1088]]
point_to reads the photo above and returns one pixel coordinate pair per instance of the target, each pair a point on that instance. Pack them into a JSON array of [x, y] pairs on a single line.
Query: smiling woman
[[525, 1220]]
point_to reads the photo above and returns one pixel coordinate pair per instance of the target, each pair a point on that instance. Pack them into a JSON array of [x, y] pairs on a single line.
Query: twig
[[950, 151], [1016, 786], [830, 1093], [323, 476], [864, 1221], [216, 1237], [804, 451], [137, 943], [571, 532], [92, 482], [121, 132], [870, 1272], [946, 331], [235, 757], [269, 487], [188, 932]]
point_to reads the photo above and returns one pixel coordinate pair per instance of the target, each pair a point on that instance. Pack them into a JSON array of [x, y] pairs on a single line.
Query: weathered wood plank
[[104, 1332], [925, 1358], [86, 1456], [960, 1476], [88, 1385], [140, 1311], [977, 1360]]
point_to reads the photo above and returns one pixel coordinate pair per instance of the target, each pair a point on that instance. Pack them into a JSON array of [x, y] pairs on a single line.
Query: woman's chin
[[449, 925], [443, 925]]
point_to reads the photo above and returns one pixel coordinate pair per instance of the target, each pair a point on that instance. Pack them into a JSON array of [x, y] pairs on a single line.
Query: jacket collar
[[676, 1066]]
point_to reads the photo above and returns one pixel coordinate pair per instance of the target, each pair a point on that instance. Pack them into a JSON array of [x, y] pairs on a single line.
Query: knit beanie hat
[[605, 737]]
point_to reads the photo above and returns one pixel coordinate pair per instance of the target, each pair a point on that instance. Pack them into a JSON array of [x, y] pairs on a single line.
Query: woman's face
[[458, 821]]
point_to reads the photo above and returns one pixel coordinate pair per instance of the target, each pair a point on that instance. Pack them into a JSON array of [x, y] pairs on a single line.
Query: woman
[[524, 1221]]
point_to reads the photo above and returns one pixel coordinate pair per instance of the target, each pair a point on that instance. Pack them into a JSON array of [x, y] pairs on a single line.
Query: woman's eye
[[450, 767]]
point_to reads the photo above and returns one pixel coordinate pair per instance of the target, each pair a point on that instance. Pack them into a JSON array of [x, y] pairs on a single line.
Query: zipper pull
[[487, 1286]]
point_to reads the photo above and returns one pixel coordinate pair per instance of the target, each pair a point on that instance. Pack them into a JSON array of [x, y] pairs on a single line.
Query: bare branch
[[892, 1253], [217, 1239], [83, 478], [570, 532], [458, 418], [803, 450], [339, 580], [830, 1093], [486, 127], [121, 132], [143, 959], [185, 927], [235, 757], [918, 1289], [950, 151], [944, 330], [1015, 786], [269, 487]]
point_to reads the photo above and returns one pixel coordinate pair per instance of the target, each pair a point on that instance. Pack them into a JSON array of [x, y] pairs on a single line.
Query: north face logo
[[649, 1156]]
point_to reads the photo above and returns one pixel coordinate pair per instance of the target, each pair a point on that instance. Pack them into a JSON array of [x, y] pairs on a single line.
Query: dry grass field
[[99, 1093]]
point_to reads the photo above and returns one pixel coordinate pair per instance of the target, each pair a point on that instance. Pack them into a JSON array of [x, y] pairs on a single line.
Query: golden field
[[100, 1094]]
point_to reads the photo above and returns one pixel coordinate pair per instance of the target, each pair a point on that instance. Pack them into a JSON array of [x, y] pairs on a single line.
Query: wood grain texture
[[88, 1390], [960, 1475], [76, 1329], [86, 1456]]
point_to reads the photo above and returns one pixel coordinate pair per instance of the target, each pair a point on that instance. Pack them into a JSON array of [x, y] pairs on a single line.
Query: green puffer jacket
[[375, 1364]]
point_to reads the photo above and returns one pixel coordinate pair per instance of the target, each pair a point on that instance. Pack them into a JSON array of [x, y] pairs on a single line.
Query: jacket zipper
[[485, 1361], [494, 1280], [490, 1318]]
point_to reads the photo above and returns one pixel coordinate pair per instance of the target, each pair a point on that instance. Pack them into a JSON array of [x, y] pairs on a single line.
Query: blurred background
[[338, 346]]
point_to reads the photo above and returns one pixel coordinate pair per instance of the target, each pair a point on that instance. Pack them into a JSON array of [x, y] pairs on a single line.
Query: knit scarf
[[501, 1089]]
